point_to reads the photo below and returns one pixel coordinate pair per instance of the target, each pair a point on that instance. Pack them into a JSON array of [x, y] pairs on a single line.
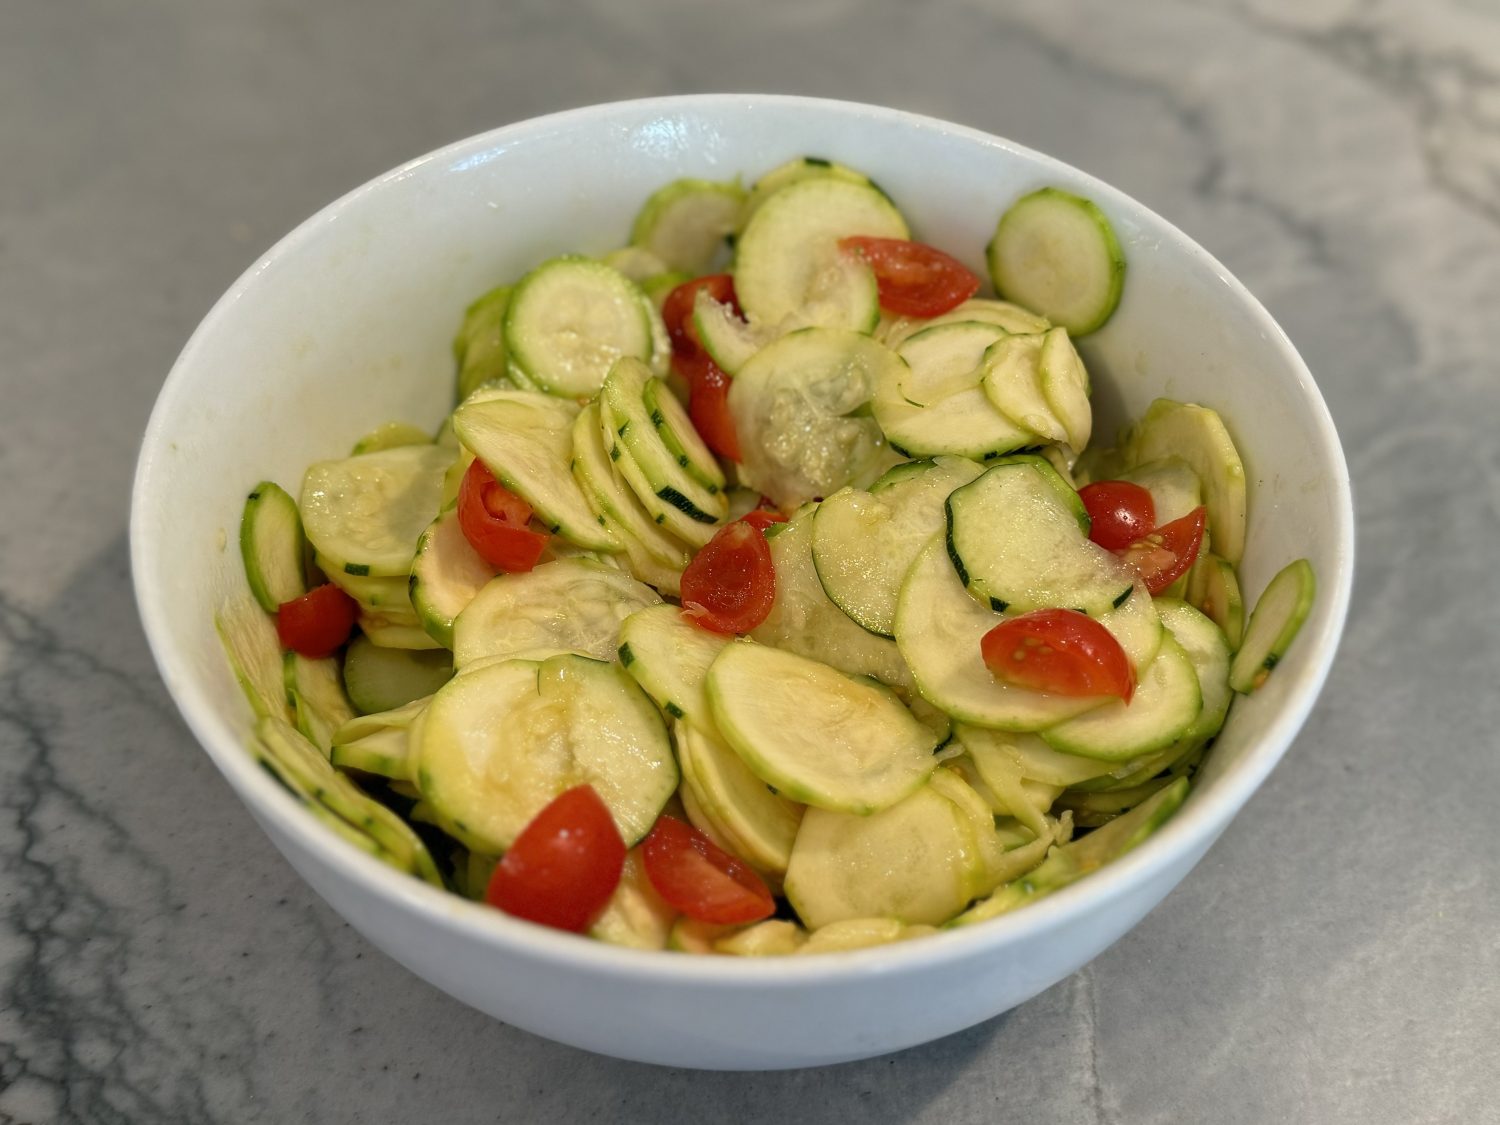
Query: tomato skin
[[762, 518], [1058, 651], [562, 868], [318, 623], [914, 279], [700, 879], [731, 583], [708, 407], [1164, 555], [493, 520], [1120, 512]]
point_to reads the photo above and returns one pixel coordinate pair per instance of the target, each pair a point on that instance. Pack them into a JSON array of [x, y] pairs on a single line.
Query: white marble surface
[[1336, 957]]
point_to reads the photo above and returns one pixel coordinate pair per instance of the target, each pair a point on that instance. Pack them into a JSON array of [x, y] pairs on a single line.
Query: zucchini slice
[[253, 649], [390, 435], [445, 576], [1175, 489], [1166, 703], [1274, 624], [818, 736], [1056, 253], [383, 744], [680, 436], [729, 341], [1002, 314], [1204, 643], [1013, 384], [800, 410], [1197, 435], [479, 347], [363, 515], [1029, 756], [863, 543], [789, 269], [315, 689], [761, 821], [1018, 536], [379, 678], [684, 223], [635, 916], [1065, 386], [937, 404], [569, 605], [613, 501], [803, 620], [794, 171], [570, 319], [938, 629], [500, 742], [671, 496], [1214, 588], [914, 862], [272, 546], [670, 657], [526, 440]]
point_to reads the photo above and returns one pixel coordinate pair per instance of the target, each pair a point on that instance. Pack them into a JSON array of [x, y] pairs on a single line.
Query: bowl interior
[[348, 321]]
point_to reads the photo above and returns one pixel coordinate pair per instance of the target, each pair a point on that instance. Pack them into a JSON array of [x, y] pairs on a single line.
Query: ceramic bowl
[[346, 323]]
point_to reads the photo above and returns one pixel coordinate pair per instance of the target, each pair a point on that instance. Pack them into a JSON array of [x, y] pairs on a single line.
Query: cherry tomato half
[[914, 279], [563, 866], [1059, 651], [730, 584], [493, 520], [1119, 512], [318, 623], [700, 879], [1164, 555]]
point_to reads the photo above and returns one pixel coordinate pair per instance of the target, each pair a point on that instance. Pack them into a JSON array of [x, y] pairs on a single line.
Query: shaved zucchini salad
[[765, 591]]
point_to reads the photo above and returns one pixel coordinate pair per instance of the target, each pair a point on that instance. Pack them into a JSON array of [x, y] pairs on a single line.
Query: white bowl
[[346, 323]]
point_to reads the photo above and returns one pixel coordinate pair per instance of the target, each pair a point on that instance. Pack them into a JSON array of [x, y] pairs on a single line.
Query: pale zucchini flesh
[[364, 514], [1166, 702], [379, 679], [446, 575], [1274, 624], [670, 657], [500, 742], [1013, 384], [684, 223], [612, 499], [1056, 253], [526, 440], [272, 546], [1065, 386], [762, 821], [569, 605], [1197, 434], [816, 735]]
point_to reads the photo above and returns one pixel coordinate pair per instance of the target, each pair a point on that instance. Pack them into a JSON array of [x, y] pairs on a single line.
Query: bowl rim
[[1190, 832]]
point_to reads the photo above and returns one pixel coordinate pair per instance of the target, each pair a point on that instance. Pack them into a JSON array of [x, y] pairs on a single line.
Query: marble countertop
[[1334, 959]]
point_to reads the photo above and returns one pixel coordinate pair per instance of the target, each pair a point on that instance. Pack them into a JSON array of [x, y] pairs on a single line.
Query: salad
[[766, 591]]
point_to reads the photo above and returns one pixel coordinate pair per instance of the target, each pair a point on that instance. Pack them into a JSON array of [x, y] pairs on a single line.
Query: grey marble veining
[[1335, 958]]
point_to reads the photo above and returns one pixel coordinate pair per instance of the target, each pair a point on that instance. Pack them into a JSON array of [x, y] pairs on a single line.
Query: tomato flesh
[[731, 583], [1166, 554], [762, 518], [564, 865], [1058, 651], [493, 520], [1120, 512], [700, 879], [708, 407], [914, 279], [318, 623]]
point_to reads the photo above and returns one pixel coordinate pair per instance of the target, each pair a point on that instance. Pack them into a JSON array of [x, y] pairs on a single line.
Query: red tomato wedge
[[493, 520], [914, 279], [700, 879], [730, 584], [1164, 556], [318, 623], [1119, 512], [762, 518], [708, 407], [563, 866], [1059, 651]]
